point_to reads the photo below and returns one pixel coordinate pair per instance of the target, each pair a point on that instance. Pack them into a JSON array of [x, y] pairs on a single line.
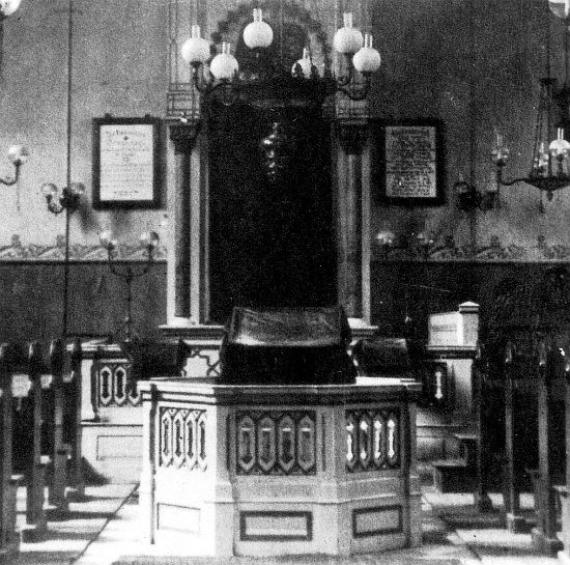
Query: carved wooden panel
[[372, 440], [113, 386], [275, 443], [182, 439]]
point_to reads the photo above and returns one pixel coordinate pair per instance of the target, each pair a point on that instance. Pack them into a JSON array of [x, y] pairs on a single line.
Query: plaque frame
[[387, 163], [147, 196]]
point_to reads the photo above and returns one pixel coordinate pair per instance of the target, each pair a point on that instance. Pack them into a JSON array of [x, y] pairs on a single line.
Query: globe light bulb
[[106, 238], [149, 239], [224, 65], [385, 238], [195, 50], [367, 59], [77, 188], [304, 65], [257, 34], [560, 8], [8, 7], [347, 40], [424, 239], [500, 153], [18, 154], [49, 190], [559, 147]]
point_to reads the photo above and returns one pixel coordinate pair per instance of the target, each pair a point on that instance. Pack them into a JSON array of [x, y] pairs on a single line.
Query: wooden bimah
[[262, 461]]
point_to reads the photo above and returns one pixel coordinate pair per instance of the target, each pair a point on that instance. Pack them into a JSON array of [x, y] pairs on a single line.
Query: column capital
[[184, 136], [352, 135]]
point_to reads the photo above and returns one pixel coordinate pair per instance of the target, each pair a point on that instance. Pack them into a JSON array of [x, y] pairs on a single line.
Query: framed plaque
[[409, 162], [126, 162]]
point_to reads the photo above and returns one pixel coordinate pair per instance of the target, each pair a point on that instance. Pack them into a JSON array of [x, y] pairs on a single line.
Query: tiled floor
[[104, 529]]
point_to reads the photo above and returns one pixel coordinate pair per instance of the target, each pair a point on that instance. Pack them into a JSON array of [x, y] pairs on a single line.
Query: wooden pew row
[[552, 371], [9, 538], [39, 427]]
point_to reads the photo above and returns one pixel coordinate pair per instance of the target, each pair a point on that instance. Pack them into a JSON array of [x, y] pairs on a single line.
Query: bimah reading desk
[[268, 462]]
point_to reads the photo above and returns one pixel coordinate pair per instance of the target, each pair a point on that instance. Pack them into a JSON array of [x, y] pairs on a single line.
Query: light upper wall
[[118, 67], [472, 64], [475, 65]]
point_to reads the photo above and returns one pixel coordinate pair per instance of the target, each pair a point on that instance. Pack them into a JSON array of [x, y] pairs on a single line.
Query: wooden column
[[564, 554], [57, 499], [9, 539], [514, 520], [147, 489], [544, 534], [74, 396], [480, 375], [184, 139], [352, 137], [36, 524]]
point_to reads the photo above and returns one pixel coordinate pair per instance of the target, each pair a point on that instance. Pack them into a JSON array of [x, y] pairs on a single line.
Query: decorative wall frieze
[[17, 251], [275, 443], [443, 250], [446, 249]]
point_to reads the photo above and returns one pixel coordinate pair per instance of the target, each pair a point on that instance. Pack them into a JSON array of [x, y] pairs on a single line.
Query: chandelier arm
[[349, 76], [198, 78], [512, 182]]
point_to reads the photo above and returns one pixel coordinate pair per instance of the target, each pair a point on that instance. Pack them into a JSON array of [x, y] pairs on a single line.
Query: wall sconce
[[149, 242], [17, 155], [69, 199], [469, 198]]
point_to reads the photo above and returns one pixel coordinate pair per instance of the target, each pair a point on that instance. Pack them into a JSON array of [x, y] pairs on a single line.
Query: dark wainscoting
[[31, 300], [31, 295], [416, 289]]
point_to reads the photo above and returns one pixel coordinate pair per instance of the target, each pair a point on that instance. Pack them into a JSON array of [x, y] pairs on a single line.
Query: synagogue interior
[[284, 281]]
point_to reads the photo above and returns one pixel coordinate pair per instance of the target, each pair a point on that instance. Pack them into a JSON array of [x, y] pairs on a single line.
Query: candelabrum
[[149, 242], [67, 201]]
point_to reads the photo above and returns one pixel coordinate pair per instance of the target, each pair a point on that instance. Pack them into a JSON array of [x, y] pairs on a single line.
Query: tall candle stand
[[149, 242]]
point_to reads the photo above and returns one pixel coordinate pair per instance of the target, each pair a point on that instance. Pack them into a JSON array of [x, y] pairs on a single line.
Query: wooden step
[[453, 475]]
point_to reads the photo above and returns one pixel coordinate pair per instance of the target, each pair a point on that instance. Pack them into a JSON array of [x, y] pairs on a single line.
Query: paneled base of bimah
[[112, 453], [543, 544], [238, 470]]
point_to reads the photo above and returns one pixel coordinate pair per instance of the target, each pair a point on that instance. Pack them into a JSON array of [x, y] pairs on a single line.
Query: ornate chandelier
[[550, 166], [269, 71]]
